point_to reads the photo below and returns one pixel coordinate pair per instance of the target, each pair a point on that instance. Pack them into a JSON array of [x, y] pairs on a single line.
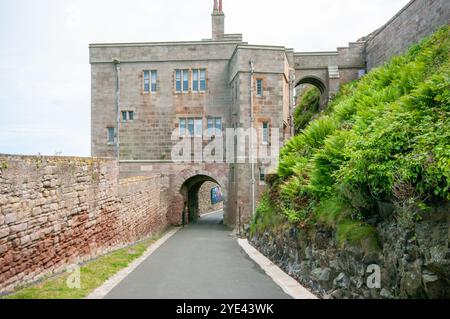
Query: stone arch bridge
[[328, 70]]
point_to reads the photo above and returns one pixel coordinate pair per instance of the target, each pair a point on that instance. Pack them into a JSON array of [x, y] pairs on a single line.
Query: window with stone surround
[[191, 126], [128, 116], [111, 135], [199, 80], [181, 81], [259, 87], [214, 126], [265, 133], [150, 78]]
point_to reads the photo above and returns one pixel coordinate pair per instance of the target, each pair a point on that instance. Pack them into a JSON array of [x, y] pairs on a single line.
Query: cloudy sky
[[44, 65]]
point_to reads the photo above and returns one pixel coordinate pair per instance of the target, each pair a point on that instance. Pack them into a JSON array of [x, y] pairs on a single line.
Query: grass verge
[[92, 275]]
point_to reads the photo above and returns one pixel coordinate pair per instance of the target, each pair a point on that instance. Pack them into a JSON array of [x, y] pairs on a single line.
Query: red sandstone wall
[[58, 211]]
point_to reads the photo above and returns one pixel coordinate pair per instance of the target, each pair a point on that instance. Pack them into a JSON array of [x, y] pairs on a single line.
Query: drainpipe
[[291, 101], [117, 68], [252, 127]]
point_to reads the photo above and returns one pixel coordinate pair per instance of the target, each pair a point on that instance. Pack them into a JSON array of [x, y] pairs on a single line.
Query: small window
[[191, 127], [195, 78], [203, 80], [214, 126], [146, 81], [262, 175], [265, 133], [111, 135], [182, 127], [185, 80], [198, 131], [128, 116], [178, 80], [154, 78], [259, 87]]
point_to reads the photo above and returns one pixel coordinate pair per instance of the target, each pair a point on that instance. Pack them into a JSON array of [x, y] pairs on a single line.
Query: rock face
[[58, 211], [413, 261]]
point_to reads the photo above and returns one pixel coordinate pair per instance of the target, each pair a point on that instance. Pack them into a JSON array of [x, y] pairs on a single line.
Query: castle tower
[[218, 21]]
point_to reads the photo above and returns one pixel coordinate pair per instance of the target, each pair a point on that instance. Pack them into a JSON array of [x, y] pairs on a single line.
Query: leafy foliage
[[384, 138], [307, 108]]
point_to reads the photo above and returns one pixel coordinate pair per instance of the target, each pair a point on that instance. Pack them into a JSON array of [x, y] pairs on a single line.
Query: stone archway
[[190, 191], [319, 84], [186, 187]]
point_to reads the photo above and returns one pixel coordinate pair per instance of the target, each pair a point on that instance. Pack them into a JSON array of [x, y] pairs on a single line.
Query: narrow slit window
[[191, 127], [195, 80], [182, 127], [259, 87], [146, 81], [185, 80], [202, 80], [198, 131], [178, 80], [131, 116], [210, 126], [111, 135], [124, 116], [154, 78], [265, 133]]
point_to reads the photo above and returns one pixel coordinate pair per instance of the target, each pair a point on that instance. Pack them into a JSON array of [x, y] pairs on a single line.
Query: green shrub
[[383, 138], [307, 108]]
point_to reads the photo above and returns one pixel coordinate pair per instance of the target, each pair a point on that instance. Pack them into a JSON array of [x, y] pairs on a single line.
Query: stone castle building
[[147, 96]]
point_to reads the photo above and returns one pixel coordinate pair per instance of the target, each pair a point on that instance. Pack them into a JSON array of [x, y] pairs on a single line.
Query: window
[[262, 175], [259, 87], [154, 77], [181, 81], [199, 80], [265, 133], [150, 81], [182, 127], [195, 80], [198, 131], [185, 80], [191, 127], [111, 135], [203, 80], [178, 80], [128, 116], [214, 126], [146, 81]]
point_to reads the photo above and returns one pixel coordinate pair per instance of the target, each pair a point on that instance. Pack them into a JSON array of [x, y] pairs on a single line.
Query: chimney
[[218, 21]]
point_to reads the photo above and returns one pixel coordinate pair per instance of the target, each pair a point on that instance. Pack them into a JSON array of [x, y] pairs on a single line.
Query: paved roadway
[[201, 261]]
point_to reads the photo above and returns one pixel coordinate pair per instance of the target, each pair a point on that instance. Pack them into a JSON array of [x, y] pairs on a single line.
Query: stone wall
[[416, 20], [58, 211], [414, 260], [204, 199]]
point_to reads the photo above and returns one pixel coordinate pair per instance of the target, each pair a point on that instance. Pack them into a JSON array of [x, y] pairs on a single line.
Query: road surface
[[201, 261]]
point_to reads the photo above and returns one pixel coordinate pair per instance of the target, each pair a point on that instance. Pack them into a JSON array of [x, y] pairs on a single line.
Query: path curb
[[103, 290], [289, 285]]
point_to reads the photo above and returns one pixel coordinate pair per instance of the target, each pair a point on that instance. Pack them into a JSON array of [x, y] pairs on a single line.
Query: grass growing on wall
[[93, 275], [385, 138]]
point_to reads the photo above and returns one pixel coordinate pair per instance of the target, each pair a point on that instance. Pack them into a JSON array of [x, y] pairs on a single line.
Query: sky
[[44, 56]]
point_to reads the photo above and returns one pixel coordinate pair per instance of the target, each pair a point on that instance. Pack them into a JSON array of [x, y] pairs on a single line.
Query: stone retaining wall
[[56, 211], [414, 260], [418, 19]]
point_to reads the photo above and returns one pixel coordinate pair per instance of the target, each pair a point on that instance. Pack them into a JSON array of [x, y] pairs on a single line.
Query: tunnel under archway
[[191, 191], [316, 82]]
